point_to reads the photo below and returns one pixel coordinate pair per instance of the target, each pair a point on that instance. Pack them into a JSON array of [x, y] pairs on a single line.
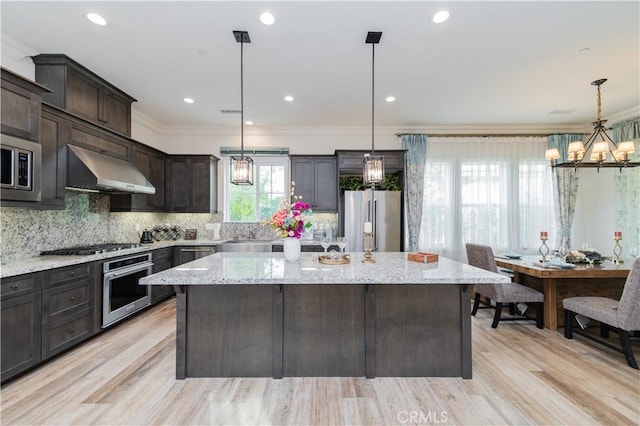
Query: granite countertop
[[271, 268], [43, 263]]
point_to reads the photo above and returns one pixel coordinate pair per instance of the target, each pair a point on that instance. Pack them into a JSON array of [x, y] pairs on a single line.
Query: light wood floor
[[521, 375]]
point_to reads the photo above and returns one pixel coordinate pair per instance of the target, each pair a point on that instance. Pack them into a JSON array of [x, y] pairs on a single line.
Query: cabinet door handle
[[15, 287]]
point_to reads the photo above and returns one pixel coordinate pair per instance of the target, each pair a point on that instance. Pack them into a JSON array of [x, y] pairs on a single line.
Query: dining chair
[[503, 294], [621, 316]]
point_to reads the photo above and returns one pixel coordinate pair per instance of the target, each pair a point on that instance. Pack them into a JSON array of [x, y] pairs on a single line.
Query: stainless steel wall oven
[[121, 294]]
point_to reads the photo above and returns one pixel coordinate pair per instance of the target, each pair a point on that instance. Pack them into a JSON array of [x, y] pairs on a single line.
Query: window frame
[[258, 161]]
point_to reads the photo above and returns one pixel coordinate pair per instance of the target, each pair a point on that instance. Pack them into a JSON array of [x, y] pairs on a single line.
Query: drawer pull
[[72, 298], [72, 273], [70, 330], [15, 287]]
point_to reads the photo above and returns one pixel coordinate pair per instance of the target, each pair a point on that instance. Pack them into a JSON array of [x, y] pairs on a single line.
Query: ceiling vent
[[230, 111]]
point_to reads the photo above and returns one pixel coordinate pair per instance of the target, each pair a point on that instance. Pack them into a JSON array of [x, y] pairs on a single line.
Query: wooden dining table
[[606, 280]]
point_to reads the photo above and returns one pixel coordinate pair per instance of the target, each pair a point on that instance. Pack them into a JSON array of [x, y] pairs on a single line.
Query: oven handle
[[127, 271]]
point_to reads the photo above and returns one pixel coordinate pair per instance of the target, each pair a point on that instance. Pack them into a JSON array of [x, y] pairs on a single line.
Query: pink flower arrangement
[[291, 219]]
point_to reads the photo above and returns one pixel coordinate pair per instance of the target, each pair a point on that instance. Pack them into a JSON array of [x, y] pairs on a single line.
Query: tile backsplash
[[86, 220]]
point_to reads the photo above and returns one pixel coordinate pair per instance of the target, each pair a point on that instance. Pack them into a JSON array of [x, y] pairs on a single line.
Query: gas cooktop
[[87, 250]]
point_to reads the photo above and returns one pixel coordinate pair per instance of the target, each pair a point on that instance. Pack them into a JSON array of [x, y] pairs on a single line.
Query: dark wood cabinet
[[316, 179], [20, 320], [67, 307], [55, 131], [79, 91], [21, 106], [162, 260], [95, 138], [190, 184], [151, 164], [350, 162]]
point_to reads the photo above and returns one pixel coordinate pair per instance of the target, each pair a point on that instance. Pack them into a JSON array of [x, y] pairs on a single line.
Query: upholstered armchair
[[621, 316], [502, 295]]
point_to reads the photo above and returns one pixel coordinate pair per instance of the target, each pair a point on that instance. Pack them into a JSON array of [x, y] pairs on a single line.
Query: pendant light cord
[[241, 99], [373, 79]]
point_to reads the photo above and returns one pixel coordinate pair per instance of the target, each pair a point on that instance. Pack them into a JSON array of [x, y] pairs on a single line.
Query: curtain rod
[[475, 135]]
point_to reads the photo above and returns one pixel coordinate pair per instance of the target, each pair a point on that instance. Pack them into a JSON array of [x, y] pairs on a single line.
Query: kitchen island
[[256, 315]]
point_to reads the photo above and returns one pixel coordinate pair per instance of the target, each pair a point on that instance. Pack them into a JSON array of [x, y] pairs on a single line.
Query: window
[[494, 191], [252, 203]]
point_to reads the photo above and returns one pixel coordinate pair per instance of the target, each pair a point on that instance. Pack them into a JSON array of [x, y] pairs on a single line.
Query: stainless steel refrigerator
[[382, 209]]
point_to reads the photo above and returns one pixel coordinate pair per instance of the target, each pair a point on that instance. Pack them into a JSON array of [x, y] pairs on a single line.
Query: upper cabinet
[[350, 162], [190, 183], [21, 106], [316, 179], [81, 92], [151, 163]]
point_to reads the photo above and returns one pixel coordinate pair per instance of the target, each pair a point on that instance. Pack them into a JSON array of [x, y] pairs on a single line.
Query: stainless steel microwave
[[20, 168]]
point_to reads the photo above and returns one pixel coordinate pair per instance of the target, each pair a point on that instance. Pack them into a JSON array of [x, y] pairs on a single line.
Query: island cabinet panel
[[20, 318], [432, 345], [229, 331], [324, 330]]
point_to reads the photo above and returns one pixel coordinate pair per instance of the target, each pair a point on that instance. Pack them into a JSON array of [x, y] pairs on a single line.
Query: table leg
[[550, 301]]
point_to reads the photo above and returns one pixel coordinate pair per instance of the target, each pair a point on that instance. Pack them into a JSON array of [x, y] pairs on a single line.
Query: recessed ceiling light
[[288, 98], [390, 98], [441, 16], [188, 100], [267, 18], [249, 123], [96, 19]]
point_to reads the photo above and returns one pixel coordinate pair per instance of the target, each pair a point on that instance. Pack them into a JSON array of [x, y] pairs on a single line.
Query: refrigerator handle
[[375, 224]]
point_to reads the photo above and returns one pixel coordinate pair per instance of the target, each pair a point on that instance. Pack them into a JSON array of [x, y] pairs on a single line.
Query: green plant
[[354, 183]]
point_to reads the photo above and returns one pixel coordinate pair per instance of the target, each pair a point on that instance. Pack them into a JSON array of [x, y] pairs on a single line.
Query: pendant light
[[241, 167], [373, 166], [594, 153]]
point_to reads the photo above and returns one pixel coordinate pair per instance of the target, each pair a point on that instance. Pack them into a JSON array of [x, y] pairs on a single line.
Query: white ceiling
[[491, 63]]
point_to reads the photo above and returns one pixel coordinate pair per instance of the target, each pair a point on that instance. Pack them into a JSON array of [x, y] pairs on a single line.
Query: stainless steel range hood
[[89, 170]]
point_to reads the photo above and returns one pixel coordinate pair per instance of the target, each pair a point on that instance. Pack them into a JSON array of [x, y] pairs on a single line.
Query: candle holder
[[543, 250], [368, 248], [617, 251]]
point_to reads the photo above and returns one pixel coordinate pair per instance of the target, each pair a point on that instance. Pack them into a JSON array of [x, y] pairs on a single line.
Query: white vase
[[291, 249]]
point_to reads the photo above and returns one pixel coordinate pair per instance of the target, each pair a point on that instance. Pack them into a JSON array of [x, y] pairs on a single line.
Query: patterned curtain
[[416, 146], [565, 189], [627, 190]]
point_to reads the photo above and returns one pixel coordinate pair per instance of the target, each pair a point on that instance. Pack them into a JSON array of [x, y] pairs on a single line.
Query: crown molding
[[15, 50]]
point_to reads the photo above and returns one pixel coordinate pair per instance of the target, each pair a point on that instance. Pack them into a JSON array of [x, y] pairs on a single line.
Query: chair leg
[[626, 349], [604, 330], [496, 317], [568, 331], [539, 315], [476, 303]]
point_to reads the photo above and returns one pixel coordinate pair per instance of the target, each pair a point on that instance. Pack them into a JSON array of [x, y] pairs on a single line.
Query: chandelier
[[599, 150], [373, 165], [241, 167]]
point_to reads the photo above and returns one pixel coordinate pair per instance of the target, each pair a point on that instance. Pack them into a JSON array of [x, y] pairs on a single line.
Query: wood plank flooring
[[521, 375]]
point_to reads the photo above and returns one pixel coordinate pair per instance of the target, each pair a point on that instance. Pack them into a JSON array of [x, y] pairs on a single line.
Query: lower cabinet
[[67, 307], [20, 318], [162, 260]]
